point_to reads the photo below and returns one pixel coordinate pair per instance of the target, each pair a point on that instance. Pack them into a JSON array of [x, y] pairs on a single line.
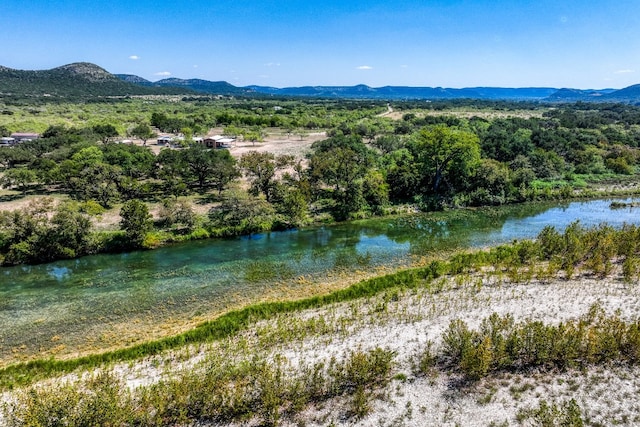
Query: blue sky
[[579, 44]]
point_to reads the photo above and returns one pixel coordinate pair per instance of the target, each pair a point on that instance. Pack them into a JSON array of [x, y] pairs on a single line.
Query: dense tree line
[[366, 164]]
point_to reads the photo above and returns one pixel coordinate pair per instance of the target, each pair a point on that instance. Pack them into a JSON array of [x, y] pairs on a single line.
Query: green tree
[[216, 167], [342, 169], [105, 132], [256, 134], [10, 157], [403, 175], [232, 131], [41, 233], [198, 162], [87, 157], [135, 161], [446, 155], [261, 169], [96, 181], [135, 222], [188, 134], [143, 132], [20, 231], [177, 212], [294, 206], [375, 191], [225, 169], [68, 235], [240, 212], [388, 143], [18, 177], [170, 168], [493, 179]]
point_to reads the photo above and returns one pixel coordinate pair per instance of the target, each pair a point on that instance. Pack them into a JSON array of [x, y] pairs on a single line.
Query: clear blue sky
[[579, 44]]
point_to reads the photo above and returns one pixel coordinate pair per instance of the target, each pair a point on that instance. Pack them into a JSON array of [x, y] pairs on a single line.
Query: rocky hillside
[[77, 80]]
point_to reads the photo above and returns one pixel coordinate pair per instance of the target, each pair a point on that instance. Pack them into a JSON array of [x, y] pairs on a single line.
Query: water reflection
[[59, 273], [38, 302]]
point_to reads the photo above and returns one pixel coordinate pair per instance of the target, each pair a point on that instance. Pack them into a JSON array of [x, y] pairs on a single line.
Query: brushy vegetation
[[219, 391], [501, 344], [566, 414]]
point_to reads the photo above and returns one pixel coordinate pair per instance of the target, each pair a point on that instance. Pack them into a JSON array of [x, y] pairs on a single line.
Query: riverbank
[[107, 238], [387, 325], [101, 303]]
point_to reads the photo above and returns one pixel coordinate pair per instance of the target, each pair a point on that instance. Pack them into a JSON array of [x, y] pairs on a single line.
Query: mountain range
[[86, 80]]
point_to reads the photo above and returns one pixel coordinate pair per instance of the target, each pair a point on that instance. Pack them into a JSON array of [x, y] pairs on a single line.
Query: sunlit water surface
[[99, 301]]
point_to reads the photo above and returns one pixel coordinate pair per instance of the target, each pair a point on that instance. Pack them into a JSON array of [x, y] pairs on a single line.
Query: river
[[98, 302]]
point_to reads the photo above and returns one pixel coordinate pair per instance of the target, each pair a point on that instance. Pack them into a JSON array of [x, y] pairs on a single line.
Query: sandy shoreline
[[403, 321]]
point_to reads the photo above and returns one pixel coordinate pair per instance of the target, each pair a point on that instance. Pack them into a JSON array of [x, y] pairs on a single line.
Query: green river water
[[95, 302]]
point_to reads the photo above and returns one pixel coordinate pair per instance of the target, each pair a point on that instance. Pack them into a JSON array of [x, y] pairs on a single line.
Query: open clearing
[[276, 142]]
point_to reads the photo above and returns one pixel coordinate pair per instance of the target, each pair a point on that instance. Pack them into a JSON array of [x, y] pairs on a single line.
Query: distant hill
[[204, 86], [407, 92], [571, 95], [628, 94], [195, 85], [366, 92], [77, 80], [131, 78], [86, 80]]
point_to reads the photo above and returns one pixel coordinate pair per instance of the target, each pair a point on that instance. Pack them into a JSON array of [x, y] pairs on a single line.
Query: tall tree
[[18, 177], [261, 169], [105, 132], [217, 167], [143, 132], [446, 155], [135, 222]]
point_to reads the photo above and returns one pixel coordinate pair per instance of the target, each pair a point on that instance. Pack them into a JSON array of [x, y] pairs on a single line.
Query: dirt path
[[386, 113]]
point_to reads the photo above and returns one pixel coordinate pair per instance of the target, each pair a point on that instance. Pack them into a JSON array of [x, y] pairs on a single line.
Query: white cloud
[[163, 73], [624, 71], [364, 67], [134, 57], [272, 64]]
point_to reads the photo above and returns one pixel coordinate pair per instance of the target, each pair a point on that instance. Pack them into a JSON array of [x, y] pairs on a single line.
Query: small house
[[23, 137], [6, 141], [212, 141], [164, 140], [218, 141]]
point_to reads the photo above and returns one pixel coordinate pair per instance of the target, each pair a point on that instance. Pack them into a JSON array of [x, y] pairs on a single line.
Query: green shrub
[[567, 414], [152, 240], [501, 344], [630, 269], [199, 234], [102, 400]]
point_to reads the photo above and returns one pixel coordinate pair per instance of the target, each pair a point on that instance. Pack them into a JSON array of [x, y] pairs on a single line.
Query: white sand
[[403, 323]]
